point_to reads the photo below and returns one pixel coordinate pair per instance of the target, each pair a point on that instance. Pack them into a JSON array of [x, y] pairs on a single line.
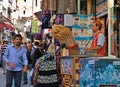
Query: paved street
[[2, 79]]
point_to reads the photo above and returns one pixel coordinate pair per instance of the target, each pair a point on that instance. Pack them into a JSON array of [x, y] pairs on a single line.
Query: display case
[[83, 71], [70, 70]]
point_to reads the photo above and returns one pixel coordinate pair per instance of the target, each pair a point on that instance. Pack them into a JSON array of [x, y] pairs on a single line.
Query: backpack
[[45, 73]]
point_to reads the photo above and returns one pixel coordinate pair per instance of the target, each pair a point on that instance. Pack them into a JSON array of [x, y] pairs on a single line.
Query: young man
[[15, 58], [98, 43]]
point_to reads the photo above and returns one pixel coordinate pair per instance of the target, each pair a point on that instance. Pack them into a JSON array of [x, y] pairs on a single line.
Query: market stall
[[83, 71]]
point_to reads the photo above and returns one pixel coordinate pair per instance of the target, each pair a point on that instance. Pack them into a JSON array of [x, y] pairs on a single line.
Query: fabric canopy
[[1, 26], [5, 24]]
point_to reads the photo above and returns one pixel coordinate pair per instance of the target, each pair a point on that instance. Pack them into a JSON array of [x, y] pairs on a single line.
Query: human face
[[29, 46], [17, 41], [94, 27]]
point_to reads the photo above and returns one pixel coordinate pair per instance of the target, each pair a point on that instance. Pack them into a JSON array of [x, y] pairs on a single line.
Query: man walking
[[15, 58]]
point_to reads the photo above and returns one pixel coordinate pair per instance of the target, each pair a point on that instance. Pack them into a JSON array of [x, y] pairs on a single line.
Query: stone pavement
[[3, 79]]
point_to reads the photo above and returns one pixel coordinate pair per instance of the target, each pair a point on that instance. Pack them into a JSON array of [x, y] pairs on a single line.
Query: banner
[[81, 30]]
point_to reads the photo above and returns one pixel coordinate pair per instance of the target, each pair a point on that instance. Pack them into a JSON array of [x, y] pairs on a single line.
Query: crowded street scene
[[59, 43]]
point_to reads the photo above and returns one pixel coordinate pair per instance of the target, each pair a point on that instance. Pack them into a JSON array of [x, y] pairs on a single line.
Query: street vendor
[[98, 44]]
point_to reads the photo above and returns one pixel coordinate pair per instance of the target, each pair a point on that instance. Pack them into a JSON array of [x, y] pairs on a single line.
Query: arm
[[25, 61], [100, 43], [5, 57], [96, 48]]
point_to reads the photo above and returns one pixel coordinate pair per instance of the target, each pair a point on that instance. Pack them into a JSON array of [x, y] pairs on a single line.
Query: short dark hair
[[36, 43], [18, 35]]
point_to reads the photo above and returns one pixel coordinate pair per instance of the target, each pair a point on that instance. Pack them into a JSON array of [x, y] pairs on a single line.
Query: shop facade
[[76, 68]]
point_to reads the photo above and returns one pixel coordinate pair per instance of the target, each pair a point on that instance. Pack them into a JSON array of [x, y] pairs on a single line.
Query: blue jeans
[[30, 77], [17, 75]]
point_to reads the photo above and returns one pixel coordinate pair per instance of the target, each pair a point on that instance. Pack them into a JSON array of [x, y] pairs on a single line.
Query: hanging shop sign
[[101, 7]]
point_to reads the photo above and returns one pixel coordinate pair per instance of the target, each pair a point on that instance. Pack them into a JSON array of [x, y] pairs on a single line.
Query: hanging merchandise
[[34, 26], [59, 19], [46, 19], [45, 74], [64, 35], [66, 6], [61, 6], [48, 5]]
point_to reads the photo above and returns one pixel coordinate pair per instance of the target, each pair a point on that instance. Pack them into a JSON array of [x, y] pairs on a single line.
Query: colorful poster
[[101, 7], [107, 72], [66, 66], [35, 26], [81, 30], [87, 72], [67, 72], [76, 20], [98, 72]]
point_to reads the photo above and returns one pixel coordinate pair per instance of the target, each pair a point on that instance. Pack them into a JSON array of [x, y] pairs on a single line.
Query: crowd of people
[[19, 57]]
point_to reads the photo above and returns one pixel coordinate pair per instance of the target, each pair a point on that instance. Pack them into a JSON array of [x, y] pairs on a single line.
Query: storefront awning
[[1, 26], [7, 25]]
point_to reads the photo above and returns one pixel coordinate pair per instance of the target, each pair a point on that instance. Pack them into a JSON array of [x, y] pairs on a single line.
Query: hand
[[86, 49], [25, 69], [10, 64]]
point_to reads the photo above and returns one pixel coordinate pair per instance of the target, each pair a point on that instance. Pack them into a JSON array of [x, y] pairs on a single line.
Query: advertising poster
[[66, 66], [97, 72], [76, 20], [81, 31], [67, 72], [101, 7], [107, 72]]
